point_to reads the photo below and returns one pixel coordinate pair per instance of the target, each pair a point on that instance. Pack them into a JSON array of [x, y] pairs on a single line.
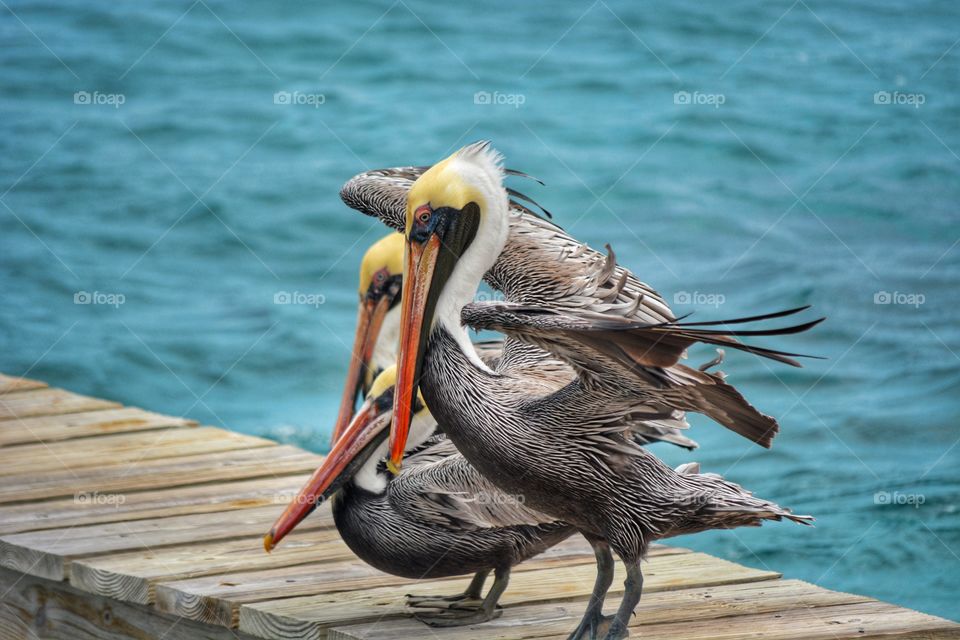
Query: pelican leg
[[474, 591], [594, 622], [631, 597], [488, 609]]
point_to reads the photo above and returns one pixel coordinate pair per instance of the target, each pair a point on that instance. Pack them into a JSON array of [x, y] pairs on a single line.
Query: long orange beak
[[369, 322], [418, 274], [343, 460]]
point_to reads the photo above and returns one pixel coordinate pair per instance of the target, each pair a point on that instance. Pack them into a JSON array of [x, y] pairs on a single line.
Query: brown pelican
[[542, 265], [454, 521], [566, 452], [378, 322]]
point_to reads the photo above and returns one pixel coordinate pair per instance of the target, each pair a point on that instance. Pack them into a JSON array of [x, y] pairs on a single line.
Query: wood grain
[[310, 617], [84, 424], [46, 402]]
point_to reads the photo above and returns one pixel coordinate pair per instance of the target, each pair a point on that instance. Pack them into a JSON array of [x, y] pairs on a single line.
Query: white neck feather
[[461, 288], [385, 349], [369, 477]]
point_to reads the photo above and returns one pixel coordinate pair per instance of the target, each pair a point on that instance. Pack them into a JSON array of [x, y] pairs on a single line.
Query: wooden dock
[[120, 523]]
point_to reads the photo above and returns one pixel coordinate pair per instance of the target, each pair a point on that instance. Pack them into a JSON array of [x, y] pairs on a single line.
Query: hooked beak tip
[[268, 543], [394, 467]]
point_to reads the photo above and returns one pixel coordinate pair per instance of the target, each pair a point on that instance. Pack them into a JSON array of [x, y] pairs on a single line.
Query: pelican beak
[[360, 439], [433, 248], [373, 309]]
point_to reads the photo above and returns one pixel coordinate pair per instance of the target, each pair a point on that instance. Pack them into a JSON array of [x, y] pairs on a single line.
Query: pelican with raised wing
[[540, 264], [567, 452]]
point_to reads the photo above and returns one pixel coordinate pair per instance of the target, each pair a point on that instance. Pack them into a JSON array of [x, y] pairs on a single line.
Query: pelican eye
[[423, 214]]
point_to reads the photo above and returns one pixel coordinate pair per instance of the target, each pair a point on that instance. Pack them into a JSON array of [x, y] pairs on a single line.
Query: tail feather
[[723, 504], [708, 394]]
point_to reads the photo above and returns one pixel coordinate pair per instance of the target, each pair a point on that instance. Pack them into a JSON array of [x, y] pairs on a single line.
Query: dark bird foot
[[459, 618], [592, 627], [459, 601]]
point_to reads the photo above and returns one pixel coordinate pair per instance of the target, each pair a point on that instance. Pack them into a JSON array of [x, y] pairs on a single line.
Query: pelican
[[454, 521], [378, 322], [541, 265], [567, 452]]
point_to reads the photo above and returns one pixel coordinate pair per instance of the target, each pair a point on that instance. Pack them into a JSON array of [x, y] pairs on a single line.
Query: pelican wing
[[541, 263], [543, 374], [607, 350], [438, 485]]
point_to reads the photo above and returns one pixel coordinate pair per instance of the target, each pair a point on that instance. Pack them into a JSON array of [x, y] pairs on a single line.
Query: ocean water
[[177, 165]]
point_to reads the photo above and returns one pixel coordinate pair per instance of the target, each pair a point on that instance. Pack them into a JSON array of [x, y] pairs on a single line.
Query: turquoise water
[[779, 178]]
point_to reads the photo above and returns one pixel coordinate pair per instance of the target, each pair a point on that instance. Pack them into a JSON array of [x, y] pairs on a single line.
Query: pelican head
[[356, 455], [456, 226], [378, 322]]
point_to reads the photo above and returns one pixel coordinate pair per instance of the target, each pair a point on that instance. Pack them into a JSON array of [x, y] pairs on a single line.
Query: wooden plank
[[9, 384], [863, 620], [311, 616], [545, 620], [47, 553], [129, 448], [133, 576], [33, 608], [84, 424], [46, 402], [165, 472], [137, 505], [217, 599]]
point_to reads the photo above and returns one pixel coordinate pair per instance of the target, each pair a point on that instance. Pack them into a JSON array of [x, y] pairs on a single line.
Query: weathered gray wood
[[46, 402], [544, 620], [311, 616], [122, 448], [9, 384], [32, 608], [165, 472], [47, 553], [216, 599], [138, 505], [84, 425], [863, 620], [133, 576]]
